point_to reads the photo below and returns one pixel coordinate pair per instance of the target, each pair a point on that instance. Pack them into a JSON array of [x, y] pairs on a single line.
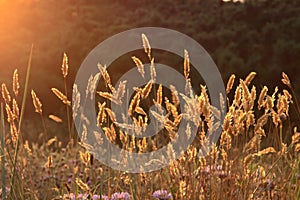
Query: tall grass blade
[[2, 135], [21, 119]]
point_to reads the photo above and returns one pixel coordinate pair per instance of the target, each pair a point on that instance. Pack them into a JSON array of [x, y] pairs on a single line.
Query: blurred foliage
[[257, 35]]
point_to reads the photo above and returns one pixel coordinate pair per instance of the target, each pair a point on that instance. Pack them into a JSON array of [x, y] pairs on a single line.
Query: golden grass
[[257, 156]]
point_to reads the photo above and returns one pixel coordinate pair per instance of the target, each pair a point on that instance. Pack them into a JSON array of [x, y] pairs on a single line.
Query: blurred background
[[252, 35]]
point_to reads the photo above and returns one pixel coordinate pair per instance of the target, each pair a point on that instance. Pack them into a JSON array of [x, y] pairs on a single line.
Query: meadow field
[[45, 155], [257, 156]]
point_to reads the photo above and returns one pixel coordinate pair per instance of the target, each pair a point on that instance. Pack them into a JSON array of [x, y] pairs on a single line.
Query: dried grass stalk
[[106, 95], [5, 93], [170, 152], [16, 110], [85, 157], [61, 96], [230, 83], [226, 140], [27, 148], [261, 121], [84, 134], [110, 133], [51, 141], [146, 45], [186, 65], [36, 102], [152, 70], [171, 108], [140, 110], [65, 66], [10, 115], [222, 104], [227, 121], [261, 97], [266, 151], [49, 162], [245, 89], [101, 114], [285, 79], [134, 103], [16, 84], [175, 98], [13, 133], [288, 96], [119, 93], [146, 90], [104, 74], [237, 96], [92, 84], [159, 95], [55, 118], [82, 185], [247, 160], [249, 78], [188, 88], [296, 138], [111, 115], [76, 100], [139, 64], [182, 189]]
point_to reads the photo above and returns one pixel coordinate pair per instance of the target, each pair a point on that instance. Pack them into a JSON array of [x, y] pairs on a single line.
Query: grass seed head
[[61, 96], [36, 102], [55, 118], [230, 83], [76, 100], [262, 97], [5, 93], [134, 103], [186, 65], [65, 66], [249, 78], [139, 64], [146, 45], [10, 115], [152, 70], [147, 89], [16, 84], [285, 79], [16, 110], [119, 93]]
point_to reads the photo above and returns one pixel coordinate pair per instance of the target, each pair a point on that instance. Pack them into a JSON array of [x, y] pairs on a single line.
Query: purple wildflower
[[72, 196], [122, 195], [104, 197], [69, 180], [89, 183], [162, 194], [96, 197], [82, 196], [214, 170]]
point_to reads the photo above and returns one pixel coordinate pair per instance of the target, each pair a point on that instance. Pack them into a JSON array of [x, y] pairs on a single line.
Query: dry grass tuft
[[36, 102]]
